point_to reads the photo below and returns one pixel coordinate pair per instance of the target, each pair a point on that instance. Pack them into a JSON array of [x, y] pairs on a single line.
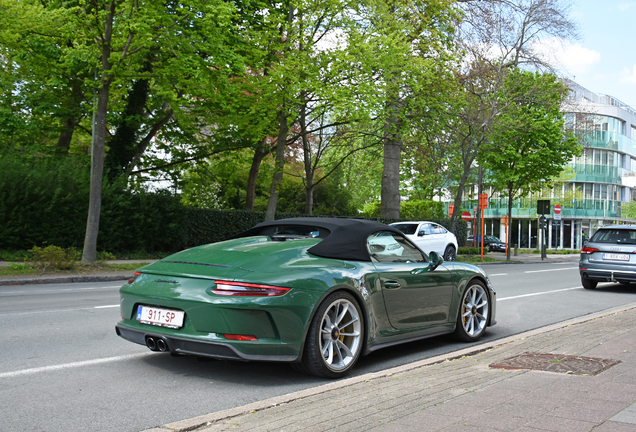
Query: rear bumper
[[608, 275], [595, 268], [181, 345]]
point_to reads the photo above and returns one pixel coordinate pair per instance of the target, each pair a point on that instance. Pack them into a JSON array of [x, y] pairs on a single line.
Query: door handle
[[391, 285]]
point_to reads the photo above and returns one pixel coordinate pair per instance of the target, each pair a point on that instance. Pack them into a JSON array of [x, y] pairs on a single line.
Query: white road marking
[[498, 274], [539, 293], [104, 307], [541, 271], [71, 365]]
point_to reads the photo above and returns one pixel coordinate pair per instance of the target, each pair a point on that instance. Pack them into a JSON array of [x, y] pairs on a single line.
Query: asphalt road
[[62, 368]]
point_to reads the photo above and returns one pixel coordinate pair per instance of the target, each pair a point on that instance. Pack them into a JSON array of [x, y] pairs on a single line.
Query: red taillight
[[240, 337], [132, 279], [587, 250], [247, 289]]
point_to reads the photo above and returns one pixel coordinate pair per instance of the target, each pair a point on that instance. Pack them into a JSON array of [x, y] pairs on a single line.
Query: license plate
[[619, 257], [160, 317]]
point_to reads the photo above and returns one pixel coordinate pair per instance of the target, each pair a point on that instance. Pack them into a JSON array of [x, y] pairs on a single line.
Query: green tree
[[529, 143], [189, 46], [404, 52], [495, 36]]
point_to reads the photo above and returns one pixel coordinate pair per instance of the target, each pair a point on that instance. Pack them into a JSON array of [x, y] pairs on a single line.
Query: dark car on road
[[492, 243], [609, 256]]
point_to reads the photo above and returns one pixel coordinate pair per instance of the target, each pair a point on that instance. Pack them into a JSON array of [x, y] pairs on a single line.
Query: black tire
[[450, 254], [588, 283], [473, 312], [335, 338]]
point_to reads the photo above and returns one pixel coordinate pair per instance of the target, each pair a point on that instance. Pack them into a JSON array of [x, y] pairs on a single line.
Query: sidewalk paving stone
[[465, 394]]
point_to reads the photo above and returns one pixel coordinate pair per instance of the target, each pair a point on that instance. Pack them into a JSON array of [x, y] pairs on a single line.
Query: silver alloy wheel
[[340, 331], [475, 310]]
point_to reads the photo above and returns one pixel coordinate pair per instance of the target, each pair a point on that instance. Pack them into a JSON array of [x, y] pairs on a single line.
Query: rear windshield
[[623, 236], [406, 228], [291, 232]]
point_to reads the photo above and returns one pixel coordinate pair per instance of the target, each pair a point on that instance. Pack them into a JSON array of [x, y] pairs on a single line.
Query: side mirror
[[434, 260], [421, 233]]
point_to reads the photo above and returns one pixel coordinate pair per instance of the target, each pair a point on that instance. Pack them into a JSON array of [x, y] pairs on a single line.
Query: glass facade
[[603, 178]]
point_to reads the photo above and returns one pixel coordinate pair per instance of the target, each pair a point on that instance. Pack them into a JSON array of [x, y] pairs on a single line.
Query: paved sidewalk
[[466, 394]]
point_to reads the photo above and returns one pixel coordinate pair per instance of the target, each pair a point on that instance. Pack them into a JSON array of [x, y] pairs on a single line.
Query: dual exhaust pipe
[[156, 344]]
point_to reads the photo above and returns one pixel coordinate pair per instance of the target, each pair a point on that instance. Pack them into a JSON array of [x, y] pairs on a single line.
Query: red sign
[[466, 216], [483, 201], [451, 207], [557, 209]]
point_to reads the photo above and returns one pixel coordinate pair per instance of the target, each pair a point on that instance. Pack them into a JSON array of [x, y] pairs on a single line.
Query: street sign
[[504, 220], [557, 209], [451, 207], [483, 201], [466, 216]]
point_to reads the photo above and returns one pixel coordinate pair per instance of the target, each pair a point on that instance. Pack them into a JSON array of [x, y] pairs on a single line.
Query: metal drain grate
[[560, 363]]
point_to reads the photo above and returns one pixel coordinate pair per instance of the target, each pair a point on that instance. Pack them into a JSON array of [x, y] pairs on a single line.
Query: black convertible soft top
[[344, 239]]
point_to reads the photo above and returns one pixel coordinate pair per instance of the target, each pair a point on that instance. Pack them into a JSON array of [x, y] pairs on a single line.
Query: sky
[[603, 60]]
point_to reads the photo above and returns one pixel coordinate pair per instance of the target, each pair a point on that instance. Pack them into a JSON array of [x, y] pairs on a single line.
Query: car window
[[427, 228], [385, 246], [437, 229], [406, 228], [614, 236]]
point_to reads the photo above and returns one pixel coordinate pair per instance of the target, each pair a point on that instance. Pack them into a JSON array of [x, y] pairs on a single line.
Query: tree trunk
[[89, 253], [259, 155], [69, 123], [390, 197], [307, 159], [309, 198], [281, 143]]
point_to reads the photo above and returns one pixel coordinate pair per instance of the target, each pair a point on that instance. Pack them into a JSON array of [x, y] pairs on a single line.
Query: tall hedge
[[44, 201]]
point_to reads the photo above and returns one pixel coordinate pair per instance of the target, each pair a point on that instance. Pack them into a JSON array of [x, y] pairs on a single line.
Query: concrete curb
[[197, 422], [64, 279]]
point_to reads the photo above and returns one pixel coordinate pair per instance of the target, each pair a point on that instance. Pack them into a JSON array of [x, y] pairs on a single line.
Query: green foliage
[[42, 200], [628, 211], [421, 209], [53, 257], [529, 143], [45, 201], [471, 251], [411, 209]]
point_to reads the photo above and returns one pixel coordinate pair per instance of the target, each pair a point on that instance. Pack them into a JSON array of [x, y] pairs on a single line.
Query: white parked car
[[430, 236]]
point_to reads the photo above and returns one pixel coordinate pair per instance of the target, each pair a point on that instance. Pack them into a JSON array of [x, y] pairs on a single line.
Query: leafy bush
[[53, 257], [471, 251]]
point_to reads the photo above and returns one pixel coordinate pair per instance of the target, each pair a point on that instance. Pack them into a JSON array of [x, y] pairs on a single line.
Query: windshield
[[615, 236]]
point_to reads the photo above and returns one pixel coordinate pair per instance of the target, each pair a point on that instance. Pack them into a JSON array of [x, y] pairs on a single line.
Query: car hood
[[239, 257]]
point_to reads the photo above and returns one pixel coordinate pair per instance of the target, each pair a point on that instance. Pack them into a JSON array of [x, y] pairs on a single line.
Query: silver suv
[[609, 256]]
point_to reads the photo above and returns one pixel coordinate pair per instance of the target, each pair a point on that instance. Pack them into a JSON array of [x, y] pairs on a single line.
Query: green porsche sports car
[[315, 292]]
